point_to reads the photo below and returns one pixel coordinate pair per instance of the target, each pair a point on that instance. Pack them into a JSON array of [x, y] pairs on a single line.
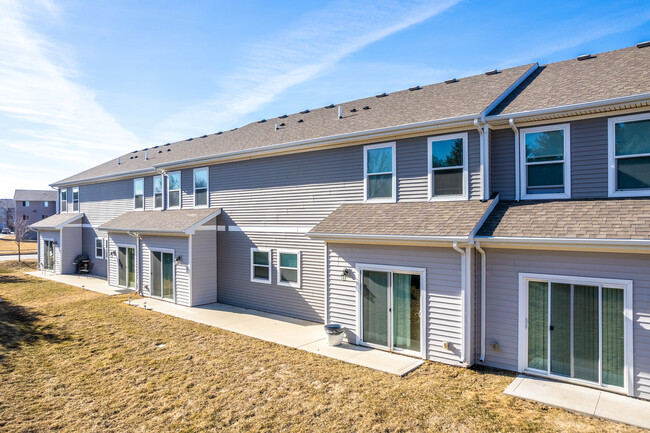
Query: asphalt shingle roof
[[56, 221], [608, 75], [35, 195], [453, 219], [157, 221], [575, 219], [466, 97]]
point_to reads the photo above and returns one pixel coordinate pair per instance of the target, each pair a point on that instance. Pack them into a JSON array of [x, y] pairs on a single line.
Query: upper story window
[[46, 204], [201, 195], [379, 172], [138, 194], [64, 200], [448, 177], [26, 204], [629, 156], [261, 265], [174, 190], [75, 199], [158, 192], [545, 167]]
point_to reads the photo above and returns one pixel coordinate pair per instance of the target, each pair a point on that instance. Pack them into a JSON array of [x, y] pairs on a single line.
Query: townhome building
[[34, 205], [501, 219]]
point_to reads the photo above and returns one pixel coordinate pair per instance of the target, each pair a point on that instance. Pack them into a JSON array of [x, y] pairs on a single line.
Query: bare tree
[[21, 230]]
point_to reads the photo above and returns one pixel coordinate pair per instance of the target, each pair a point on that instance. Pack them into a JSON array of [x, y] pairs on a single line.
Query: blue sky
[[82, 82]]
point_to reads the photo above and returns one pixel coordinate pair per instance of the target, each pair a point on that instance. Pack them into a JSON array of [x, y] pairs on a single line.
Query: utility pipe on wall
[[463, 295], [517, 157], [483, 269]]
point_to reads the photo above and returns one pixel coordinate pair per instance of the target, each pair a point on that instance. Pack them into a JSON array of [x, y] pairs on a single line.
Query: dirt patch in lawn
[[112, 367]]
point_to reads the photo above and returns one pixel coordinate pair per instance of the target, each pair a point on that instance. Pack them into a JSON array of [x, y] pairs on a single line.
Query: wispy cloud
[[52, 125], [301, 53]]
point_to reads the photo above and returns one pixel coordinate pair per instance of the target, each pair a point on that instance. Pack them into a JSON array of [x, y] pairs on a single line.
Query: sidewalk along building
[[33, 206], [500, 219]]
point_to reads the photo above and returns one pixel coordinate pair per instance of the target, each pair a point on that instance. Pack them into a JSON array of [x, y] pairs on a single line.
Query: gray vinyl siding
[[70, 246], [204, 266], [474, 162], [88, 247], [54, 235], [444, 317], [148, 193], [101, 202], [187, 188], [182, 280], [589, 158], [234, 274], [502, 303], [502, 163]]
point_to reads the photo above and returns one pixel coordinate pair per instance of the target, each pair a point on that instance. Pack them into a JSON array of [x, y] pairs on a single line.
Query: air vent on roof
[[329, 106], [167, 144], [135, 151], [160, 151], [354, 110], [190, 139], [130, 157], [492, 72], [366, 107], [168, 150], [234, 129], [282, 124], [284, 116], [136, 156], [145, 149], [304, 112], [643, 44], [220, 132], [453, 80], [381, 95], [586, 57], [204, 136], [156, 146], [261, 121], [300, 120], [414, 88]]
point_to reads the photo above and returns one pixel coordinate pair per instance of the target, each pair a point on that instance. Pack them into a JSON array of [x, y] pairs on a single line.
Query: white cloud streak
[[311, 48]]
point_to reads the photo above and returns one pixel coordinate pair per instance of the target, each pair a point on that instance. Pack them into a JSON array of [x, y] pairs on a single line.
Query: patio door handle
[[551, 327]]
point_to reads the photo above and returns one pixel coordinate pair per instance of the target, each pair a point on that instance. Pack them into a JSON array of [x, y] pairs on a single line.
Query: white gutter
[[483, 297], [565, 241], [463, 295], [106, 177], [517, 176], [368, 237]]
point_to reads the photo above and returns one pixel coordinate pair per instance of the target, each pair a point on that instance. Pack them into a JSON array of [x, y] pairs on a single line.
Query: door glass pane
[[380, 160], [545, 146], [537, 324], [121, 266], [632, 137], [131, 268], [560, 329], [156, 274], [613, 337], [448, 182], [633, 173], [406, 311], [380, 186], [375, 307], [447, 153], [585, 332], [168, 275]]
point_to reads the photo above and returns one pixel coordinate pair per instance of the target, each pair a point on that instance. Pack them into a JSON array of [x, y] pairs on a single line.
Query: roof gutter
[[106, 177], [563, 241], [367, 237]]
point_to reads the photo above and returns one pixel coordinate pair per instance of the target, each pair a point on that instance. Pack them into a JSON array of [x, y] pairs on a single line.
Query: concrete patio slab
[[86, 282], [287, 331], [581, 399]]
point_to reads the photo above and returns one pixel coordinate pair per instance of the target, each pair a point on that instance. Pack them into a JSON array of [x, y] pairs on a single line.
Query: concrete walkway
[[296, 333], [86, 282], [581, 399]]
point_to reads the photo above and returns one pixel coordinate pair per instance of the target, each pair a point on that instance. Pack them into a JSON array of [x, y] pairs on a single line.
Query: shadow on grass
[[20, 325]]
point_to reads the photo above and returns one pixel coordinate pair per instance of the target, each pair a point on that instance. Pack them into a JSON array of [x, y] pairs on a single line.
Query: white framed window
[[448, 161], [629, 155], [545, 162], [26, 204], [201, 187], [75, 199], [138, 193], [64, 200], [158, 192], [261, 265], [288, 268], [379, 173], [46, 204], [174, 190], [99, 248]]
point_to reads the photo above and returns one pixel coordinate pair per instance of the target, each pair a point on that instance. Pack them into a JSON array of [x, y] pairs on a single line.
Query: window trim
[[78, 201], [180, 189], [63, 201], [46, 204], [134, 194], [523, 173], [25, 203], [162, 193], [207, 188], [366, 148], [465, 167], [103, 241], [611, 150], [298, 269], [269, 253]]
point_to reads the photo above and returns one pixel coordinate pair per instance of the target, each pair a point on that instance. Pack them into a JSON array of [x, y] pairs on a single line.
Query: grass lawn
[[78, 361], [8, 246]]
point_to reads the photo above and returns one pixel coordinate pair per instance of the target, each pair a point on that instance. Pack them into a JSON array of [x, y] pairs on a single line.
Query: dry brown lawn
[[78, 361], [8, 246]]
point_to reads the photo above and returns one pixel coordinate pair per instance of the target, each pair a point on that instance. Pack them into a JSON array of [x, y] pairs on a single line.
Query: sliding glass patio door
[[126, 266], [576, 331], [48, 253], [162, 275], [391, 310]]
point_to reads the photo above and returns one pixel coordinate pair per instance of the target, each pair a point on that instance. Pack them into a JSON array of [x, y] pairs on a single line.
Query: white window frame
[[162, 192], [465, 194], [270, 265], [25, 203], [117, 264], [207, 169], [46, 204], [103, 247], [366, 148], [628, 327], [134, 194], [63, 202], [611, 144], [78, 201], [298, 269], [173, 253], [180, 189], [567, 162]]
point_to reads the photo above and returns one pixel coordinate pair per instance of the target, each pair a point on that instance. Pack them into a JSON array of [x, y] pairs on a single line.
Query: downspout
[[481, 156], [517, 157], [483, 269], [462, 291], [138, 274]]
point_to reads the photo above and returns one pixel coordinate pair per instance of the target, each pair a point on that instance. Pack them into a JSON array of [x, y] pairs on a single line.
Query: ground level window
[[99, 248], [289, 268], [261, 265], [162, 275]]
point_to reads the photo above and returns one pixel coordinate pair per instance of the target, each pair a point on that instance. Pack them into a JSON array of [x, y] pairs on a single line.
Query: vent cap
[[586, 57], [453, 80], [412, 89]]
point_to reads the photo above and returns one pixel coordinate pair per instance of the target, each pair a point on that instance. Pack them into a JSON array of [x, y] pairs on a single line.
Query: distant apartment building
[[7, 209], [34, 205]]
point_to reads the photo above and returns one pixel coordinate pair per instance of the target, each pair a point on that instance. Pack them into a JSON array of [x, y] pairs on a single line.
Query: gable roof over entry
[[56, 221], [182, 221]]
